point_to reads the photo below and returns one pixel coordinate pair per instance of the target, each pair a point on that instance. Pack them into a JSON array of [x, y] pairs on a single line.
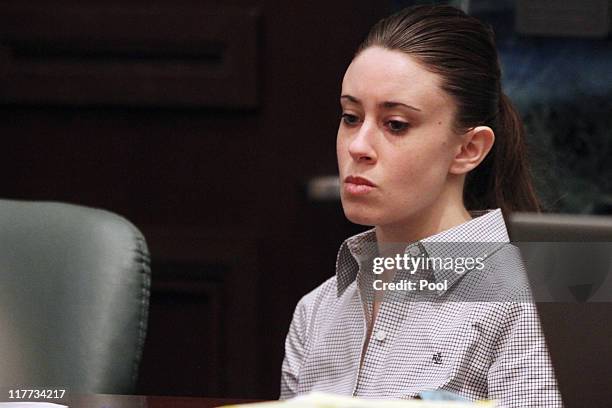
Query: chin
[[360, 215]]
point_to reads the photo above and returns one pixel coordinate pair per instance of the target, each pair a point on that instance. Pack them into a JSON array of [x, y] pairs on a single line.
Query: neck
[[446, 214]]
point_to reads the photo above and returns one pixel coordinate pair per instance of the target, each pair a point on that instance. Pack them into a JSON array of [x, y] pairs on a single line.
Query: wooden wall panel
[[129, 55], [184, 351]]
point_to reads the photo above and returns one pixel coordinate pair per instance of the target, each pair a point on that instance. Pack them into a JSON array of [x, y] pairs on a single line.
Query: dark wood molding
[[132, 55], [203, 309]]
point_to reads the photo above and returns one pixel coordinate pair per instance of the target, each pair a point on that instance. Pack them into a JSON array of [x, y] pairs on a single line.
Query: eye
[[397, 126], [350, 120]]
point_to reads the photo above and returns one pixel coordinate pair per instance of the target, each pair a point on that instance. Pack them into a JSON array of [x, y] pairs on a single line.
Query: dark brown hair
[[461, 49]]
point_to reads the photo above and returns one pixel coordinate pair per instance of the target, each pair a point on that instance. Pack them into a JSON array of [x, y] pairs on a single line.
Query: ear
[[476, 144]]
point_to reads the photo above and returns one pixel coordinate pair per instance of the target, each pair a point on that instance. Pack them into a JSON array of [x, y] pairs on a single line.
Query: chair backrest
[[74, 297]]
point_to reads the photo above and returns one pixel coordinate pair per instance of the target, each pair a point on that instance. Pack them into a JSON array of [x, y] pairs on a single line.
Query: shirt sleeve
[[521, 374], [295, 345]]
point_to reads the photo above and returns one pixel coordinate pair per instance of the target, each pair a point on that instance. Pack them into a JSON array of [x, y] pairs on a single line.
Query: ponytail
[[504, 179]]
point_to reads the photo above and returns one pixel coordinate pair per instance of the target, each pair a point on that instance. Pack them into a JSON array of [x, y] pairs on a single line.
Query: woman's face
[[395, 142]]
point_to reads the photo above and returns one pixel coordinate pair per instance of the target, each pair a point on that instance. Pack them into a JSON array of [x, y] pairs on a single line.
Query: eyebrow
[[385, 104]]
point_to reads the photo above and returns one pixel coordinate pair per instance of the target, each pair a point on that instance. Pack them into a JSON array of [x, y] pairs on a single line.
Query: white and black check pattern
[[479, 349]]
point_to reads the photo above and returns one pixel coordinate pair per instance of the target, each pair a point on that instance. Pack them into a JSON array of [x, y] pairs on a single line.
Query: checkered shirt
[[480, 337]]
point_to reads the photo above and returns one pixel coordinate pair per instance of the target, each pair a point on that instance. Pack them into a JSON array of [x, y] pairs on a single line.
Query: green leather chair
[[74, 298]]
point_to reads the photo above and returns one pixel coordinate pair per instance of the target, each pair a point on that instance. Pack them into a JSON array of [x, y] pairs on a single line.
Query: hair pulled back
[[461, 50]]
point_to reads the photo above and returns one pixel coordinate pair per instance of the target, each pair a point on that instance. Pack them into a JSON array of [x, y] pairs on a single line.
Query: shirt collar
[[479, 237]]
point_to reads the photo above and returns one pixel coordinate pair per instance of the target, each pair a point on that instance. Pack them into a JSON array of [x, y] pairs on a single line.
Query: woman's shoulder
[[503, 278], [322, 293], [510, 271]]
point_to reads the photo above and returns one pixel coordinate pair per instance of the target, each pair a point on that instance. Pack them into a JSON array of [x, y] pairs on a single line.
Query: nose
[[361, 147]]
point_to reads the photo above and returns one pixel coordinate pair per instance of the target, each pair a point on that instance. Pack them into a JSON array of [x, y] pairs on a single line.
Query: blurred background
[[211, 126]]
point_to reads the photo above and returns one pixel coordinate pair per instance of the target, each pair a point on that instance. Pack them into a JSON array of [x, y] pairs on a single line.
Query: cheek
[[341, 148], [421, 159], [421, 168]]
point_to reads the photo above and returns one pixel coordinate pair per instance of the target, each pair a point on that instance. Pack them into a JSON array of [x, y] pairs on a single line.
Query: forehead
[[379, 74]]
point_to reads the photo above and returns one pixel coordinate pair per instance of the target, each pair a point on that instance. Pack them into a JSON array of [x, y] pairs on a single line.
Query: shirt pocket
[[452, 357]]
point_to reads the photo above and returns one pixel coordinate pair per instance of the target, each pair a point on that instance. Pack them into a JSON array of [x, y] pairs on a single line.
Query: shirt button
[[380, 335], [414, 251]]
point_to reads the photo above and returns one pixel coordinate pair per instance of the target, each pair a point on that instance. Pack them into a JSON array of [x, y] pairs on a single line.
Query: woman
[[425, 134]]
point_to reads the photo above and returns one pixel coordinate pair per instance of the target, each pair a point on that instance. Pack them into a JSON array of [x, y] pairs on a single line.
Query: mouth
[[356, 185]]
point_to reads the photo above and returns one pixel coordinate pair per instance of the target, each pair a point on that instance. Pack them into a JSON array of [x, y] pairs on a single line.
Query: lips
[[356, 185]]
